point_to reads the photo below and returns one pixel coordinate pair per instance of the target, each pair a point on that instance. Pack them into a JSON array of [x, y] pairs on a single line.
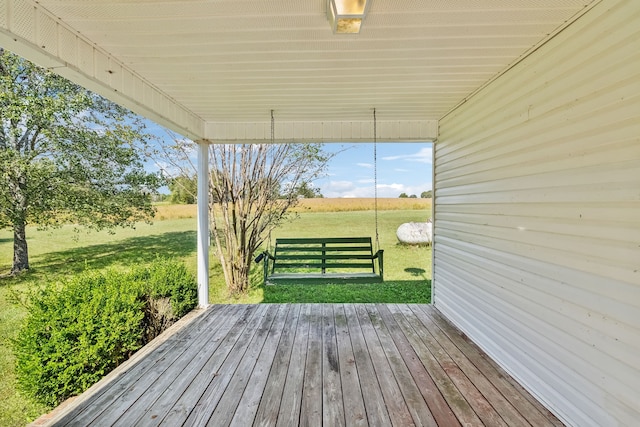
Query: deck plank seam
[[479, 401], [190, 371], [428, 409], [135, 365], [500, 405], [139, 392], [471, 353], [300, 341], [447, 376], [272, 396], [195, 390], [399, 413], [210, 397], [257, 381], [377, 414], [242, 373], [438, 404]]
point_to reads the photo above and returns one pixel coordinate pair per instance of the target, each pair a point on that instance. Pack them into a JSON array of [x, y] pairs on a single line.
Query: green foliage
[[77, 332], [184, 189], [307, 191], [426, 195], [413, 196], [62, 253], [405, 292], [244, 179], [66, 155], [403, 195], [171, 279]]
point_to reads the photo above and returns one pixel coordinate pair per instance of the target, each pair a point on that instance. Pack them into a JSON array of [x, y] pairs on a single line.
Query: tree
[[247, 180], [413, 196], [426, 194], [66, 155], [403, 195], [184, 189], [251, 189], [305, 190]]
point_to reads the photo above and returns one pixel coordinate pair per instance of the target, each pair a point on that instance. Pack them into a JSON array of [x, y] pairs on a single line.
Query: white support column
[[203, 224], [433, 222]]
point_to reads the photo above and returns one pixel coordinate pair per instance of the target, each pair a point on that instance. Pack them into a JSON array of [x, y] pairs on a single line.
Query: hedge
[[76, 333]]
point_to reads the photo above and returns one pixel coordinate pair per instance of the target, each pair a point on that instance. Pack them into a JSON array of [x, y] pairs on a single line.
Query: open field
[[56, 254], [362, 204], [314, 205]]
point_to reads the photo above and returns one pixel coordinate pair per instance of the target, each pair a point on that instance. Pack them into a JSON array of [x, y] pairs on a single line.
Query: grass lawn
[[60, 253]]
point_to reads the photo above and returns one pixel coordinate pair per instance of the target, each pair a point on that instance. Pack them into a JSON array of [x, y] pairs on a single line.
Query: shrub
[[76, 333], [169, 292]]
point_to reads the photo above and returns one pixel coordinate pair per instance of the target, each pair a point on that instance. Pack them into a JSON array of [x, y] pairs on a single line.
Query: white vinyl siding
[[537, 219]]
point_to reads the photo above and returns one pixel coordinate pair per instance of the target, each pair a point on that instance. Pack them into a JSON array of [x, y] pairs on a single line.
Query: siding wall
[[537, 219]]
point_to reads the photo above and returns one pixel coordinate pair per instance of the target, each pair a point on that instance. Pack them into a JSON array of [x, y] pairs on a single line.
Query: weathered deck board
[[332, 405], [391, 392], [140, 377], [512, 392], [269, 404], [411, 381], [376, 409], [311, 406], [291, 403], [312, 364], [355, 413]]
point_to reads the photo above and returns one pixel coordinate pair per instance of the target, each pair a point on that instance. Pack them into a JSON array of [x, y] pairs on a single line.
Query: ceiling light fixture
[[346, 16]]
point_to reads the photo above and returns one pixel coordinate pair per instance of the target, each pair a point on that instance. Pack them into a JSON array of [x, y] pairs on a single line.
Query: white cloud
[[349, 189], [422, 156], [395, 189], [365, 165], [340, 186], [342, 189]]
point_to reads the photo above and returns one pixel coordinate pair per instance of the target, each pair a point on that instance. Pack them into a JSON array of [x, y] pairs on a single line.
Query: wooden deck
[[311, 364]]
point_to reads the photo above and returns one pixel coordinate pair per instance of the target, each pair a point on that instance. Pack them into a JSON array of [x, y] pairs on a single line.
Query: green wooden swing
[[327, 259]]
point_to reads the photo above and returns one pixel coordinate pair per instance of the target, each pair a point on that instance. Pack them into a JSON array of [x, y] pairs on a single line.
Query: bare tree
[[252, 187]]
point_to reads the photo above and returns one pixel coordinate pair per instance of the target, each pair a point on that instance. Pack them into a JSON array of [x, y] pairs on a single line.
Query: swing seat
[[322, 260]]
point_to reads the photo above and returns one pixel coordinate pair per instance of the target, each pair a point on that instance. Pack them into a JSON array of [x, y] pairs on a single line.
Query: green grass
[[387, 292], [62, 252]]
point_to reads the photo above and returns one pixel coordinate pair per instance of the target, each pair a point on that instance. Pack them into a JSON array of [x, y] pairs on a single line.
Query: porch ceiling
[[215, 68]]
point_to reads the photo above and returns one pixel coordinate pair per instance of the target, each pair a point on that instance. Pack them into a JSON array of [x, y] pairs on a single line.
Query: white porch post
[[203, 224]]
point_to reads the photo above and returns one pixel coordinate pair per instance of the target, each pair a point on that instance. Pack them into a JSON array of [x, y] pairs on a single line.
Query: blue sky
[[402, 168]]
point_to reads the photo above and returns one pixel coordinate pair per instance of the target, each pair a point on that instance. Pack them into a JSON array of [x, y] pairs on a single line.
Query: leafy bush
[[171, 279], [169, 291], [76, 333]]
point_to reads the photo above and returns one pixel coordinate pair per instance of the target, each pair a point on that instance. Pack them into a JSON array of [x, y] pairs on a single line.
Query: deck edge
[[58, 413]]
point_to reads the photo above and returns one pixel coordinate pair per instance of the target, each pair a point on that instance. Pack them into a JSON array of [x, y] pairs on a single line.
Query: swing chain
[[375, 176], [273, 128]]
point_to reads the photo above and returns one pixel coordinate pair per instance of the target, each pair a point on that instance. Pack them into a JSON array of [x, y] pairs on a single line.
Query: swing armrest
[[380, 256], [264, 257]]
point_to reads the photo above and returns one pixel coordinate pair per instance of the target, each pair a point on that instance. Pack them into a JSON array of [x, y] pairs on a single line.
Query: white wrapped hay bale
[[415, 233]]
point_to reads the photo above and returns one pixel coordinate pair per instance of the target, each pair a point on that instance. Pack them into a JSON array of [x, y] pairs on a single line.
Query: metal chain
[[273, 138], [273, 128], [375, 175]]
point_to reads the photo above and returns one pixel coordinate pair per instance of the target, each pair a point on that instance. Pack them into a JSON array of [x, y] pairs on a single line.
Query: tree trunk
[[18, 190], [240, 275], [20, 249]]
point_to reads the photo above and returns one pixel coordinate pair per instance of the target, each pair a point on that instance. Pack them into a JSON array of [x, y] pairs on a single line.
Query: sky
[[402, 168]]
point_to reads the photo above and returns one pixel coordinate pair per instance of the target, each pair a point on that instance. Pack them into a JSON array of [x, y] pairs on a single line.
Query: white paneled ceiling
[[233, 61]]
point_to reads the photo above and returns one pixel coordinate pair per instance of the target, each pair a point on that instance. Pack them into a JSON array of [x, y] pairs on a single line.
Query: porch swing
[[322, 260]]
